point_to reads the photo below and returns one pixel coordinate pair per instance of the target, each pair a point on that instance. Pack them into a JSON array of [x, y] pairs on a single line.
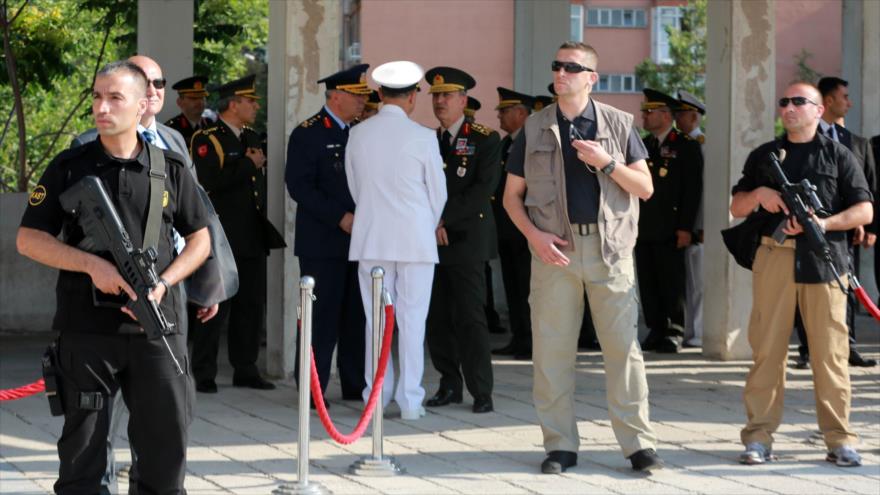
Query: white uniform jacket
[[395, 175]]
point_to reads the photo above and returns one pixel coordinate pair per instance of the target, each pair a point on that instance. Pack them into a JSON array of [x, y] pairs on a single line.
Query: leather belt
[[768, 241], [585, 229]]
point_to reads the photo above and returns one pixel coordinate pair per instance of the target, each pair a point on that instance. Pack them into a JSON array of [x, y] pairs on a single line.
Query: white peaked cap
[[398, 74]]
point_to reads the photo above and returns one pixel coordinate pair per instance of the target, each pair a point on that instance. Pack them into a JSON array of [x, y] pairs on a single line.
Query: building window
[[577, 23], [617, 18], [663, 17], [618, 83]]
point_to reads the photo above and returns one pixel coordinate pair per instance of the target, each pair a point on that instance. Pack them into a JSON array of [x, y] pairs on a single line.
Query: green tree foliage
[[687, 49], [56, 46]]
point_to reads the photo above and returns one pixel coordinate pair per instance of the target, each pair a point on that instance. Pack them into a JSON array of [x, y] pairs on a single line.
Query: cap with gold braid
[[246, 86], [687, 101], [542, 101], [373, 100], [448, 80], [192, 86], [509, 98], [352, 80], [473, 105], [655, 99]]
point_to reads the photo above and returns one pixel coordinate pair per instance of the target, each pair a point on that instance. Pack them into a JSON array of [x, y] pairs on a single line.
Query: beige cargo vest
[[546, 200]]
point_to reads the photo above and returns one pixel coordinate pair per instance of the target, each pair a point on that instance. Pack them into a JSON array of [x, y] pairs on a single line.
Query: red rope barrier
[[867, 302], [23, 391], [318, 396]]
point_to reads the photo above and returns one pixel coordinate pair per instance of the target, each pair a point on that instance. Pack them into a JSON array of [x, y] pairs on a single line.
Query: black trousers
[[516, 271], [457, 333], [493, 319], [159, 401], [337, 320], [243, 317], [661, 274]]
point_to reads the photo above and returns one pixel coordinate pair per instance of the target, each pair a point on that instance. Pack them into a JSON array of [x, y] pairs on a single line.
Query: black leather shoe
[[483, 405], [856, 359], [646, 460], [524, 354], [558, 461], [667, 345], [802, 362], [508, 350], [444, 397], [256, 382], [206, 387], [651, 341]]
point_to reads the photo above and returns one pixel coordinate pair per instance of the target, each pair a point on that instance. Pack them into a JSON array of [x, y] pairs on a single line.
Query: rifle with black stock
[[802, 201], [89, 202]]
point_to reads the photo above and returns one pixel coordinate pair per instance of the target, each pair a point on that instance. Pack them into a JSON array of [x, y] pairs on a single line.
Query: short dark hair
[[223, 103], [397, 92], [587, 49], [829, 84], [125, 66]]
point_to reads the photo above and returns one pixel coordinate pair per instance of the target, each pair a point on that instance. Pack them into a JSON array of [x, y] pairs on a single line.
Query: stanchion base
[[369, 466], [299, 489]]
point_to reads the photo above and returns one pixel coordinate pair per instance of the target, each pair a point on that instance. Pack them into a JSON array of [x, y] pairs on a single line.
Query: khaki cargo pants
[[557, 304], [823, 309]]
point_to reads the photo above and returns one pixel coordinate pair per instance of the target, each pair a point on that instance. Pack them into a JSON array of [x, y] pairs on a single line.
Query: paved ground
[[244, 441]]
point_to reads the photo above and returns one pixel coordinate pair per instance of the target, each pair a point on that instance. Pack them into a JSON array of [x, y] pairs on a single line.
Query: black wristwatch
[[166, 284], [607, 169]]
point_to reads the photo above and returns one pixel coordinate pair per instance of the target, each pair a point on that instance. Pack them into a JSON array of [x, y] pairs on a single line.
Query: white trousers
[[410, 287], [693, 324]]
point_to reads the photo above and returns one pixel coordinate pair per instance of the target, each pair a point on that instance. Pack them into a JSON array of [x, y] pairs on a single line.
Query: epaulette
[[701, 139], [310, 121], [170, 121], [482, 129]]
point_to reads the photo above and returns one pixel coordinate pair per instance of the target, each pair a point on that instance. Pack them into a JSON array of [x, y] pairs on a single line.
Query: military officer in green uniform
[[231, 166], [666, 222], [457, 332], [470, 111], [191, 95]]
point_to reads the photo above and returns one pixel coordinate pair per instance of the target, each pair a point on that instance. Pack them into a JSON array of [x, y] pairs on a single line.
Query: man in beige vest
[[583, 165]]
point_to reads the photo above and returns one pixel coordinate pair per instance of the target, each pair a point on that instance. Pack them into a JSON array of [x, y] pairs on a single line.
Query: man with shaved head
[[789, 274]]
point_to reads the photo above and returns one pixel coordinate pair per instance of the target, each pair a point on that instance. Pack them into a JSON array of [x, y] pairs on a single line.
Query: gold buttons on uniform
[[481, 215]]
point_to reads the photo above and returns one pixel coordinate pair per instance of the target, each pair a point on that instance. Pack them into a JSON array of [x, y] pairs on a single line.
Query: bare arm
[[542, 242], [44, 248], [634, 178], [744, 202]]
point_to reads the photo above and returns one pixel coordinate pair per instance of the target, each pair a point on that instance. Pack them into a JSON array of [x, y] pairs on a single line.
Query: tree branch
[[20, 9], [16, 93], [48, 152]]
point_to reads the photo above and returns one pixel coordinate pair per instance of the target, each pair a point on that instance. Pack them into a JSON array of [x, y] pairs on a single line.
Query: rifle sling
[[157, 189]]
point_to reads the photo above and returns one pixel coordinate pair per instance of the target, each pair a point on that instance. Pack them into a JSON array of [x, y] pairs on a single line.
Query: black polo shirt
[[127, 183], [840, 183], [581, 184]]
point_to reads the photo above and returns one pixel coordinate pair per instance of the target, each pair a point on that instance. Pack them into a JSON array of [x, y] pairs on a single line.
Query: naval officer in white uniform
[[395, 175]]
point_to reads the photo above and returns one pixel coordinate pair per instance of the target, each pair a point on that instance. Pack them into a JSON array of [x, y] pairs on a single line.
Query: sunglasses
[[157, 83], [570, 67], [797, 101]]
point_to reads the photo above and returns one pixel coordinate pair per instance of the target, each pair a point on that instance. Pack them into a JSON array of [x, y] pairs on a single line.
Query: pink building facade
[[478, 37]]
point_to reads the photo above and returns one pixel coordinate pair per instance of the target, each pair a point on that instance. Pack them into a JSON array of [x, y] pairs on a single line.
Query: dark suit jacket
[[866, 158], [237, 188], [472, 167], [316, 180], [676, 167]]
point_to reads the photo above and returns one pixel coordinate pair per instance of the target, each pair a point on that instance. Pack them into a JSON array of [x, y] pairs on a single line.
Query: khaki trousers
[[557, 302], [823, 308]]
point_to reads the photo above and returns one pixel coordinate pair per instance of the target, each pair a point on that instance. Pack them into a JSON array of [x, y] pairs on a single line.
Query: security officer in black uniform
[[666, 222], [231, 167], [102, 349], [457, 332], [513, 249], [316, 180], [191, 94]]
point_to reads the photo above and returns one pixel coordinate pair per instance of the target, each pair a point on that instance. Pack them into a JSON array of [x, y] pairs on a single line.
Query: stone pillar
[[165, 34], [740, 73], [539, 28], [304, 43]]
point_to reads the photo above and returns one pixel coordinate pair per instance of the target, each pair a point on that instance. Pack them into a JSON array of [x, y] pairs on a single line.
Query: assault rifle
[[801, 201], [89, 202]]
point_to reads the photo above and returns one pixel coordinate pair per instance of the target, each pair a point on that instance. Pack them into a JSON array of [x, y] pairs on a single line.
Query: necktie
[[150, 136], [445, 145]]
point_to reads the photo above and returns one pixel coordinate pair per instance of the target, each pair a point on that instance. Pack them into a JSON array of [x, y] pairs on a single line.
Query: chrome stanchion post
[[302, 486], [377, 464]]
